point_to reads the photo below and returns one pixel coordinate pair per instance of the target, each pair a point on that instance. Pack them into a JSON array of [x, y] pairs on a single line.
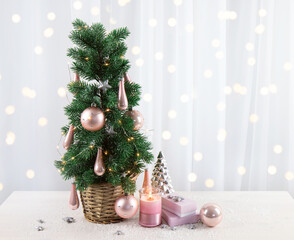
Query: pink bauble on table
[[211, 214], [92, 119], [126, 206]]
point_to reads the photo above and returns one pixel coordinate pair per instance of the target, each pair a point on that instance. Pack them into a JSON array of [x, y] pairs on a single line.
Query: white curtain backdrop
[[217, 81]]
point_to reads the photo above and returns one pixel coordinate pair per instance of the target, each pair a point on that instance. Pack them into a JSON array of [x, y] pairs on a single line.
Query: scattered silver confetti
[[39, 228], [163, 226], [192, 226], [118, 232], [173, 228], [199, 221], [41, 221], [69, 219]]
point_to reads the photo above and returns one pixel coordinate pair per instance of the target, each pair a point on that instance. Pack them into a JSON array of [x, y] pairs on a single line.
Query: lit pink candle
[[150, 207]]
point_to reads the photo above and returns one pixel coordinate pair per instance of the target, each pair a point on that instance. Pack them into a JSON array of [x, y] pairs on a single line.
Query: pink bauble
[[92, 119], [126, 206], [137, 117], [211, 214]]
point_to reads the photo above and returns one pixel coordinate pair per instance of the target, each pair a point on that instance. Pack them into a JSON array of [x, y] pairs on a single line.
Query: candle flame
[[150, 195]]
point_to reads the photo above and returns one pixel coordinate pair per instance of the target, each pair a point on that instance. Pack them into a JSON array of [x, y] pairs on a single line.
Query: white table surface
[[247, 215]]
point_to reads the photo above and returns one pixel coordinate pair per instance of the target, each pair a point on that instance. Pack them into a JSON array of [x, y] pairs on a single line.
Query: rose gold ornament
[[127, 78], [73, 198], [76, 77], [99, 167], [137, 117], [92, 119], [122, 96], [211, 214], [69, 137], [126, 206]]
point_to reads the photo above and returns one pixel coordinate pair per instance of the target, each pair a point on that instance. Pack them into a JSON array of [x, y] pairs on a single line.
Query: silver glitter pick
[[110, 130], [163, 226], [41, 221], [124, 175], [104, 86], [39, 228], [173, 228], [69, 219], [118, 232]]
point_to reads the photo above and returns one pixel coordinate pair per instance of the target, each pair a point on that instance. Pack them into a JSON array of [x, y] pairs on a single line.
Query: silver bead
[[192, 226], [118, 232], [173, 228], [163, 226], [41, 221], [39, 228], [69, 219]]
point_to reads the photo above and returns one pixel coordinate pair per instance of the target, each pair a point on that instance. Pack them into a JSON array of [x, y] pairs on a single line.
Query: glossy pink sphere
[[92, 119], [211, 214], [137, 117], [126, 206]]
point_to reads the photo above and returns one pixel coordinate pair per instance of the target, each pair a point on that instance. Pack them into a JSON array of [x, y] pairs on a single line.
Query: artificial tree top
[[99, 59]]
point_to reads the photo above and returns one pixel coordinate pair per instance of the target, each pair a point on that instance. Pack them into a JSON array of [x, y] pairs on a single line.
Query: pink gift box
[[183, 208], [174, 220]]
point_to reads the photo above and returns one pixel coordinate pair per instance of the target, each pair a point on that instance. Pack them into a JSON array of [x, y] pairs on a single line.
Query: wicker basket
[[98, 203]]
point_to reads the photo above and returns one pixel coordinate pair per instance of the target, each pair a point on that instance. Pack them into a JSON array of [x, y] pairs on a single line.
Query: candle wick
[[150, 198]]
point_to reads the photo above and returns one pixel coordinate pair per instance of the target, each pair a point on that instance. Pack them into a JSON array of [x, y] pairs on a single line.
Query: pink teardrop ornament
[[69, 137], [73, 198], [146, 183], [76, 77], [99, 167], [122, 96], [127, 78]]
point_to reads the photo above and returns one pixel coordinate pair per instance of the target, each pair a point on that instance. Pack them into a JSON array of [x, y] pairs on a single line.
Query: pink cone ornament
[[146, 183], [211, 214], [122, 96], [73, 198], [137, 117], [69, 137], [76, 77], [127, 78], [99, 167], [92, 119], [126, 206]]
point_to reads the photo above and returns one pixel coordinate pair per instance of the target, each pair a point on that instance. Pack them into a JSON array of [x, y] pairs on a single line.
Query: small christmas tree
[[161, 178], [102, 143]]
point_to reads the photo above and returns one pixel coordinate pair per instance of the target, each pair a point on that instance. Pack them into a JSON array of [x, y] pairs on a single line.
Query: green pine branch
[[99, 57]]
